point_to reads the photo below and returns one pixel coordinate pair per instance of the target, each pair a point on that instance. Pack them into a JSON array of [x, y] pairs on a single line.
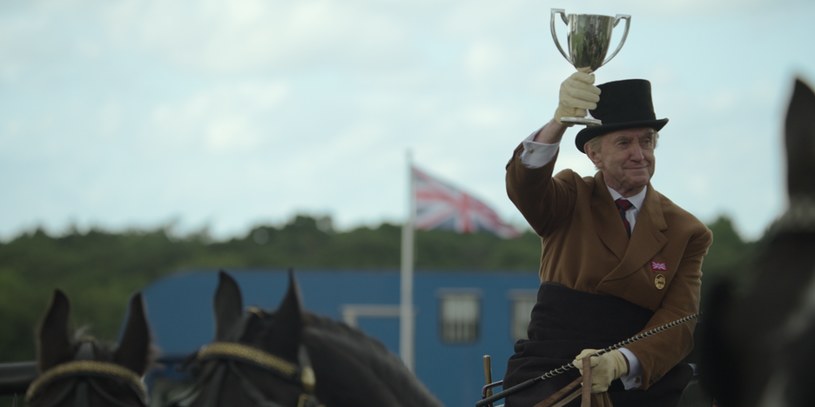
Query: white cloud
[[485, 116], [684, 8], [483, 59], [252, 36], [224, 118], [227, 111]]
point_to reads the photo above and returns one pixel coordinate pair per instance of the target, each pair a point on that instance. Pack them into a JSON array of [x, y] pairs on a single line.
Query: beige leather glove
[[604, 368], [577, 94]]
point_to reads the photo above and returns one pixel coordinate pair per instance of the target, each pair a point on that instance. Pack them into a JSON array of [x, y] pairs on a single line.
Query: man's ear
[[593, 155]]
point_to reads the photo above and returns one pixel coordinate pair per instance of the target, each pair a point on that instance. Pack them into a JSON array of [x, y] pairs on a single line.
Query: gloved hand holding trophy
[[589, 38]]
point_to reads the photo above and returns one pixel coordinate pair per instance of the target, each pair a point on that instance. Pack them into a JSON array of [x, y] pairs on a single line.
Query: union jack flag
[[442, 206]]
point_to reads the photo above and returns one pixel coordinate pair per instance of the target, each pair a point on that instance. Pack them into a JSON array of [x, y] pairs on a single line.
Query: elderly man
[[617, 257]]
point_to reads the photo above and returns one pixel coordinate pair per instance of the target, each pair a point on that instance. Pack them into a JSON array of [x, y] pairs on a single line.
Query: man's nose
[[636, 152]]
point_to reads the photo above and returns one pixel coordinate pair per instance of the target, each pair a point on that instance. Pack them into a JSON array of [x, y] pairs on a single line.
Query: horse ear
[[133, 351], [228, 307], [54, 345], [290, 312], [800, 142], [291, 304]]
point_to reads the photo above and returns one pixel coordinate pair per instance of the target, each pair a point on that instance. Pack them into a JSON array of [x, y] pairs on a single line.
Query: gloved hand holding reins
[[604, 368]]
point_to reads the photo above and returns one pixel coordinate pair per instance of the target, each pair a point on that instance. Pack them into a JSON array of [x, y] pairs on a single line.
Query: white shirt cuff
[[632, 380], [536, 155]]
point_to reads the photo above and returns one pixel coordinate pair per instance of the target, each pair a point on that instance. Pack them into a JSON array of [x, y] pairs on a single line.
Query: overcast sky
[[232, 113]]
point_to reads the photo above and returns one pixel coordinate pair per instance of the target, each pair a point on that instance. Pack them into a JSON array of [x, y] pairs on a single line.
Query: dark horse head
[[85, 372], [758, 347], [292, 357]]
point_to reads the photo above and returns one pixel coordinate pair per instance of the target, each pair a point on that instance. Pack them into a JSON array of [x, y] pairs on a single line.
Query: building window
[[460, 316], [522, 303]]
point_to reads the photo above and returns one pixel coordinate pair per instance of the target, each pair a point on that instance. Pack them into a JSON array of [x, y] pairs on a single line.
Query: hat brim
[[591, 132]]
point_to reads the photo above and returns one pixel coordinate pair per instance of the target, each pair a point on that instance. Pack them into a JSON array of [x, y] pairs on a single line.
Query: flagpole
[[406, 321]]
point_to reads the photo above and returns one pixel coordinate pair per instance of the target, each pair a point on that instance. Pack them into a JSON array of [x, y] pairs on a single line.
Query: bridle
[[228, 354], [85, 371]]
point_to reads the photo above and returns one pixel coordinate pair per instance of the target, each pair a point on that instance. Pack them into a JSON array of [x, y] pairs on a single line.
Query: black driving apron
[[564, 322]]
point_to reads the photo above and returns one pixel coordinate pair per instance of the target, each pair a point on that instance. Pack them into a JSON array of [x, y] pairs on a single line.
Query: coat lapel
[[607, 220], [647, 238]]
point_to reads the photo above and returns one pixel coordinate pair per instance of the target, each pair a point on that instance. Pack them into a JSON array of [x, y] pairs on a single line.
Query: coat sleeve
[[543, 200], [661, 352]]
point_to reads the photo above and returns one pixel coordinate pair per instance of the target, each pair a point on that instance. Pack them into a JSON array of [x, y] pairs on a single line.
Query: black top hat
[[623, 105]]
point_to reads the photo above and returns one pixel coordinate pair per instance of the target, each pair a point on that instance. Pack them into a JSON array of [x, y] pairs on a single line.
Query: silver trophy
[[589, 39]]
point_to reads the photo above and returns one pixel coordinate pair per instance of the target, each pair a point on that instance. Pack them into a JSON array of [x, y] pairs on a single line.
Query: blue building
[[460, 316]]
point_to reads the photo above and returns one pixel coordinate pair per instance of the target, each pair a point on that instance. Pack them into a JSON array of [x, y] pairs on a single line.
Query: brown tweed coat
[[584, 246]]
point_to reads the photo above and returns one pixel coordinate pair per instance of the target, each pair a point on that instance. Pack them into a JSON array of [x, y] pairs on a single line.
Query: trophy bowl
[[589, 39]]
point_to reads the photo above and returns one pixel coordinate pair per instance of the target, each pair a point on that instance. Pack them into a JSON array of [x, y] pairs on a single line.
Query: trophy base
[[588, 121]]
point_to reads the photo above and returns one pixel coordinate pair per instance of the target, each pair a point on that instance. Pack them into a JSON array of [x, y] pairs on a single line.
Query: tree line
[[99, 270]]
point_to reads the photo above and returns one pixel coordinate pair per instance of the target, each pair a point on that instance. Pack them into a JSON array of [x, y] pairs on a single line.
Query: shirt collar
[[635, 200]]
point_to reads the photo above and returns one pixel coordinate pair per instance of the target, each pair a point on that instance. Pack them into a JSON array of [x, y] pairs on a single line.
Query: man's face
[[626, 159]]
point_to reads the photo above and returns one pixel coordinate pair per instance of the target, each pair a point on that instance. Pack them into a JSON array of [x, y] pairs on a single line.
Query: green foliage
[[729, 255], [20, 306], [100, 270], [480, 251]]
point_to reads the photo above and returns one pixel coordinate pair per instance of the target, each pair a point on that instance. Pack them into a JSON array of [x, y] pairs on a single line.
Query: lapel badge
[[659, 266], [659, 281]]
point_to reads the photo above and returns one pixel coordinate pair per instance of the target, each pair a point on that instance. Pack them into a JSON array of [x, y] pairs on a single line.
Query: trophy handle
[[562, 13], [617, 19]]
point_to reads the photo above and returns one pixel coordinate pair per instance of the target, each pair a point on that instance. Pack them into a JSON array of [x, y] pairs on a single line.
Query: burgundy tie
[[623, 205]]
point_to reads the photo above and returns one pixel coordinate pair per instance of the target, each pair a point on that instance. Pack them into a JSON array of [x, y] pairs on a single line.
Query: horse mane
[[368, 354], [102, 349]]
